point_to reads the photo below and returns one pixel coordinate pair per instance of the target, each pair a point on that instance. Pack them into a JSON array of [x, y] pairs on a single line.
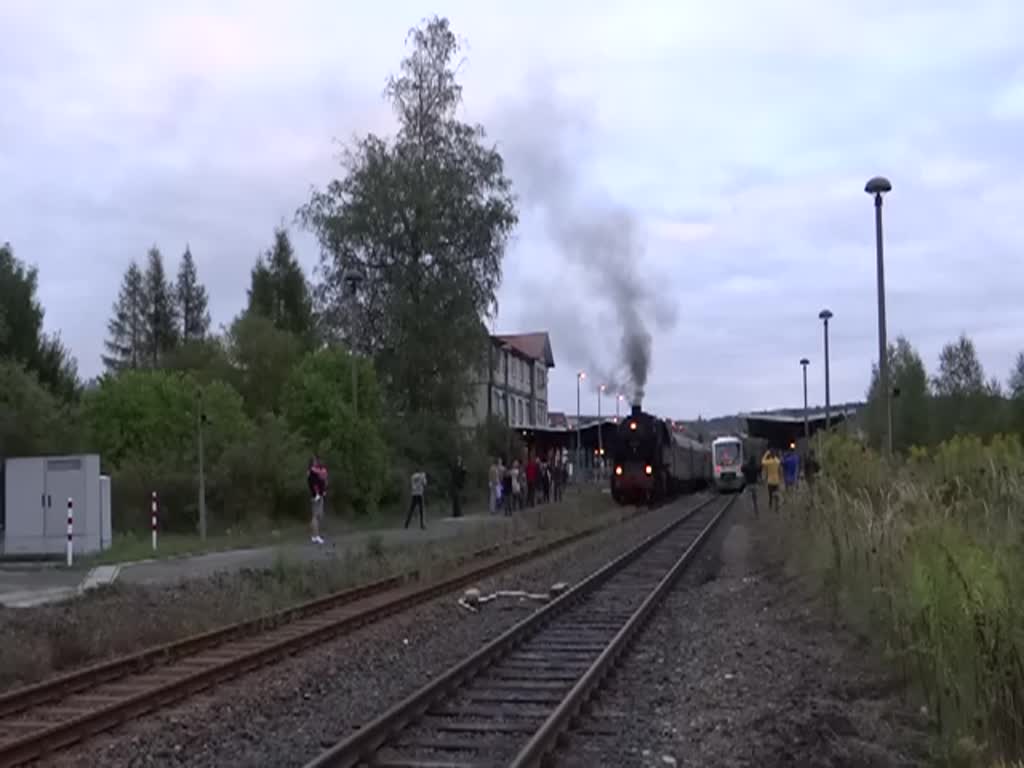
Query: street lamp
[[825, 315], [352, 280], [579, 440], [200, 420], [804, 362], [878, 186]]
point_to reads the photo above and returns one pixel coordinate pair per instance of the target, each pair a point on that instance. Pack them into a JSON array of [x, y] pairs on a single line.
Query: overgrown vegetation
[[925, 558], [924, 555], [369, 366]]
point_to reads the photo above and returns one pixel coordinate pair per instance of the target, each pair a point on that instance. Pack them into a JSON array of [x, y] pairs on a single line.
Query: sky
[[731, 141]]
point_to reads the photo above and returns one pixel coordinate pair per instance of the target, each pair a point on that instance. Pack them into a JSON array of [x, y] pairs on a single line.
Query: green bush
[[928, 558], [144, 426], [317, 401]]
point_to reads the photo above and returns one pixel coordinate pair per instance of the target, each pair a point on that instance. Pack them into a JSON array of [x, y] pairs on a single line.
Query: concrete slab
[[33, 597], [27, 579]]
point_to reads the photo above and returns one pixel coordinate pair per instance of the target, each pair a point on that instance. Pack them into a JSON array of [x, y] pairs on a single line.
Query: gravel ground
[[736, 669], [284, 715]]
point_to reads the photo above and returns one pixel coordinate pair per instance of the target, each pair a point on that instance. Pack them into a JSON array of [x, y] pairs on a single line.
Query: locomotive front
[[634, 459]]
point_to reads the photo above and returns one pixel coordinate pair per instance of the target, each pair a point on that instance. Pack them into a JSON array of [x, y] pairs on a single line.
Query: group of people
[[778, 469], [539, 480]]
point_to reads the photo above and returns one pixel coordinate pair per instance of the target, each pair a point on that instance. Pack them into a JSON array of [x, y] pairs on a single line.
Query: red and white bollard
[[71, 531], [152, 520]]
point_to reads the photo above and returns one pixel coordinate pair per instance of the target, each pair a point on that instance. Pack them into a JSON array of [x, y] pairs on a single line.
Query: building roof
[[536, 346]]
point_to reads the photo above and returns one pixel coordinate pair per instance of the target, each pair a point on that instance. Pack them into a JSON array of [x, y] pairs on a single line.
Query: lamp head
[[878, 185], [804, 361], [825, 315]]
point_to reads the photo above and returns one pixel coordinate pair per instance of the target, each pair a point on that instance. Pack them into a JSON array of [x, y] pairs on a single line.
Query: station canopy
[[779, 430]]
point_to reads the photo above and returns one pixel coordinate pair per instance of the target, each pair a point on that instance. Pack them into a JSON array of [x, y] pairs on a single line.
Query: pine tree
[[127, 328], [279, 290], [192, 300], [161, 334]]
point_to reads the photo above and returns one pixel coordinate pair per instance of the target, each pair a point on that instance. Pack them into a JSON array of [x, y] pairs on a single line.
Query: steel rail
[[384, 597], [546, 738], [360, 747]]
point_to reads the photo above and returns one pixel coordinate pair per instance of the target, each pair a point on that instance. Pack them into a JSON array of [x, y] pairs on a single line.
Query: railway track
[[507, 704], [45, 717]]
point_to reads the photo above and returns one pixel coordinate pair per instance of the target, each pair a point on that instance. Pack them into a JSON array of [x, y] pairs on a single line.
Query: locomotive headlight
[[648, 469], [632, 425], [618, 470]]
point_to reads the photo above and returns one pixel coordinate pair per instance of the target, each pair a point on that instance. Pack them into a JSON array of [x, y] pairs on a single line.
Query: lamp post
[[600, 428], [878, 186], [200, 420], [825, 315], [804, 362], [579, 440], [353, 279]]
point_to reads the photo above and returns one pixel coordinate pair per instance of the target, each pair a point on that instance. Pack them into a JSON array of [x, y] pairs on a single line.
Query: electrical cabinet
[[36, 496]]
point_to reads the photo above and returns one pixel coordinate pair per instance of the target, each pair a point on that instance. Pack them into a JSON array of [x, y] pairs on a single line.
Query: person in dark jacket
[[751, 474], [316, 479], [458, 481]]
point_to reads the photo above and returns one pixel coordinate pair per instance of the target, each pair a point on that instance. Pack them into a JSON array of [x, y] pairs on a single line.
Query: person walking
[[790, 469], [316, 480], [751, 475], [771, 468], [418, 482]]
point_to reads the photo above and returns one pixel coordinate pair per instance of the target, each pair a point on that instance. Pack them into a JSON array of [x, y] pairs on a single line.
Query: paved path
[[27, 585]]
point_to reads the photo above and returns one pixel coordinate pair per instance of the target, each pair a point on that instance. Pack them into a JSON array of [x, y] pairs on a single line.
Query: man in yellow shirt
[[771, 466]]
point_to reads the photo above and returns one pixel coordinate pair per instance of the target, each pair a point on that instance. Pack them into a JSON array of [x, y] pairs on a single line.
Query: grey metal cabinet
[[37, 492]]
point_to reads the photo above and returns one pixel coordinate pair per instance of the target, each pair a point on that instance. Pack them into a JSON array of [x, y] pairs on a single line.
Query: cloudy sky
[[733, 138]]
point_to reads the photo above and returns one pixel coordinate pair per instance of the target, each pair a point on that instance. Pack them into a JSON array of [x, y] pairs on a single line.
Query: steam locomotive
[[651, 462]]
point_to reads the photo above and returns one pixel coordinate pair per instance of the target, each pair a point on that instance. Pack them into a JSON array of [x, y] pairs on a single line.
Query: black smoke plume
[[544, 146]]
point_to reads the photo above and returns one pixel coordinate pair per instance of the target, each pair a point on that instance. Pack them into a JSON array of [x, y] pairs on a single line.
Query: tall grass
[[925, 557]]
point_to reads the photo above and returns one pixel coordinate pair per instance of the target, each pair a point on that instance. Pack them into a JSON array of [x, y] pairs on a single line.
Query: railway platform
[[24, 585]]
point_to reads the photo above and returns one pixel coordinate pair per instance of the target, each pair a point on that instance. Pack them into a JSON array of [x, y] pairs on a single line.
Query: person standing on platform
[[316, 480], [494, 485], [418, 481], [751, 475], [458, 481]]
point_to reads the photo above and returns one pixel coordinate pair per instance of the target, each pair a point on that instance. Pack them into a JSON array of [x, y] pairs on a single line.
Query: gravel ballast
[[737, 669], [286, 714]]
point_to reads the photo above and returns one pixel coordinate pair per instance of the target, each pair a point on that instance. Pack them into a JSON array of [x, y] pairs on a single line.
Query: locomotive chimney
[[636, 410]]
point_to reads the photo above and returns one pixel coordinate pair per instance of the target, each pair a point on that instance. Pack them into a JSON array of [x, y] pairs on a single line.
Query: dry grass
[[926, 558], [38, 642]]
